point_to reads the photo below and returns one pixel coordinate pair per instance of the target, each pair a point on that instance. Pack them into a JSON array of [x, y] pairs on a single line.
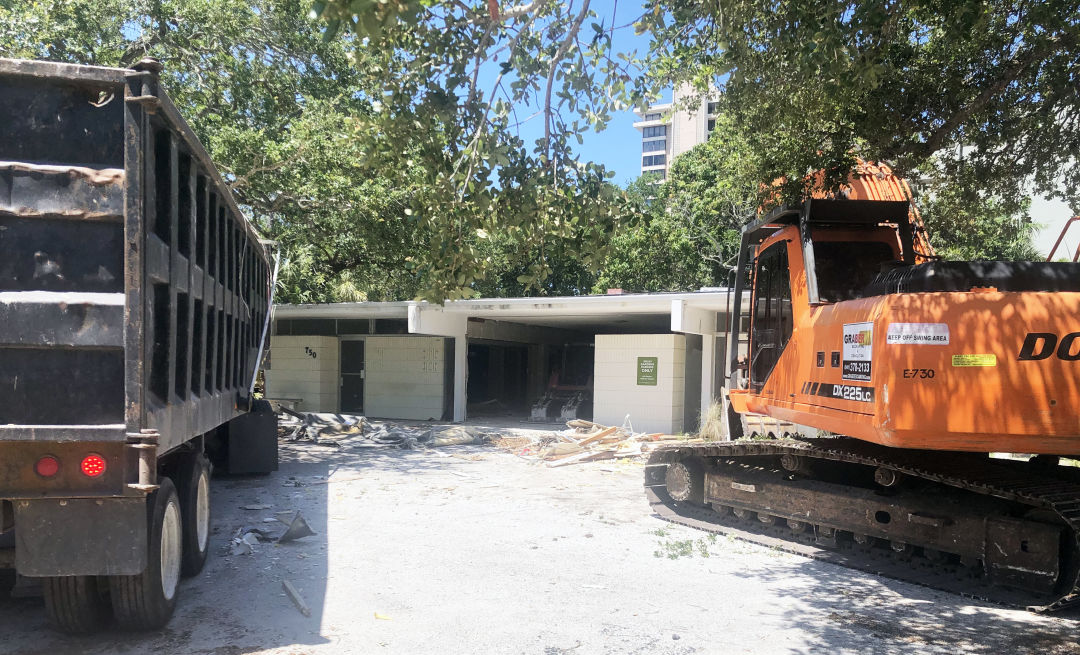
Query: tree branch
[[1007, 77], [568, 40]]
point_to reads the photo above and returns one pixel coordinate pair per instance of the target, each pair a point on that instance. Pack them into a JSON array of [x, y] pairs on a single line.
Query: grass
[[712, 423], [679, 548]]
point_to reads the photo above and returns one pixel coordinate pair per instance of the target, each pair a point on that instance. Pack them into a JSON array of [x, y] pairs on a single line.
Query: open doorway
[[568, 391], [498, 380]]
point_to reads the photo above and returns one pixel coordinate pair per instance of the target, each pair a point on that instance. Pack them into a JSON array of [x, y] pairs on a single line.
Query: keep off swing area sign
[[646, 371]]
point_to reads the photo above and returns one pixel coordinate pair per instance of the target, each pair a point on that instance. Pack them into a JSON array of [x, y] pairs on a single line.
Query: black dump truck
[[134, 300]]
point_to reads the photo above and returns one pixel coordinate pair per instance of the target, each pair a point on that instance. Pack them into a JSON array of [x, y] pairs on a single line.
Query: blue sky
[[619, 146]]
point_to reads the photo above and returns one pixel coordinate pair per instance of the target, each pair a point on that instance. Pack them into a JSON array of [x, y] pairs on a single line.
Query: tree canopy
[[383, 168], [381, 142], [984, 89], [277, 106]]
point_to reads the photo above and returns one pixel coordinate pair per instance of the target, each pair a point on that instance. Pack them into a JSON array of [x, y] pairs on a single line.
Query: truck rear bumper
[[20, 479], [71, 522]]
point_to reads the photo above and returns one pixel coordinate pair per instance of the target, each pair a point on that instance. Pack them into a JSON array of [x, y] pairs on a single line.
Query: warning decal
[[932, 334], [974, 360], [857, 351]]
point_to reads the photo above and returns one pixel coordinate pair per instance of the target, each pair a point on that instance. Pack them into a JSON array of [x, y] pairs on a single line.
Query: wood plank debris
[[587, 441]]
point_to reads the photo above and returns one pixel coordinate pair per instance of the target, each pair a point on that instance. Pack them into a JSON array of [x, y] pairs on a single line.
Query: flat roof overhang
[[692, 312]]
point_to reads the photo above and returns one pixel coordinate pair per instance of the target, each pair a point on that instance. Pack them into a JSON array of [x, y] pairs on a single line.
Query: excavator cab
[[845, 245]]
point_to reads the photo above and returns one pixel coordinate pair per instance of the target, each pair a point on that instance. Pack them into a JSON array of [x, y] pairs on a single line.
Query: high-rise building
[[670, 129]]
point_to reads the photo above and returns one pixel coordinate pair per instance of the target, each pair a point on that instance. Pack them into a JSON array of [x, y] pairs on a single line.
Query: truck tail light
[[93, 465], [47, 466]]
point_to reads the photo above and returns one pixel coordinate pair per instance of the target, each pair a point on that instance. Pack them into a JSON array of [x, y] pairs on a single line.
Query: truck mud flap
[[253, 441], [80, 536]]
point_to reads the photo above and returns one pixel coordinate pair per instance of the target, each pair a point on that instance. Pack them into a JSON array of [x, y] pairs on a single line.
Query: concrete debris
[[318, 427], [294, 595], [259, 533], [347, 431], [256, 507], [453, 435], [297, 527], [246, 539]]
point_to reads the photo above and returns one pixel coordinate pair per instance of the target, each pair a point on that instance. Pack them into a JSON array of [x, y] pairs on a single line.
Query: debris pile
[[581, 441], [321, 429], [246, 540], [585, 441], [339, 430]]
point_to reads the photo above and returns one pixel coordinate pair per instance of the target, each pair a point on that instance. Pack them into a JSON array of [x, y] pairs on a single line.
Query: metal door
[[352, 376]]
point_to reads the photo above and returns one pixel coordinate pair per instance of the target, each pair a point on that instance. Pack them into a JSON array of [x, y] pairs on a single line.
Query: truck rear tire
[[146, 601], [74, 603], [193, 486]]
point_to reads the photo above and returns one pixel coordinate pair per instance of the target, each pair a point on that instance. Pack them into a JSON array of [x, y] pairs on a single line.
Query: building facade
[[655, 360], [670, 129]]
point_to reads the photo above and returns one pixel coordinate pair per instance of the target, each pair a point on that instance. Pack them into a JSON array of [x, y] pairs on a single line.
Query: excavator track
[[998, 530]]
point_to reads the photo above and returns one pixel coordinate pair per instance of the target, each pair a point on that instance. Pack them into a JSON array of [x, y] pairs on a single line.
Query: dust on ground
[[473, 549]]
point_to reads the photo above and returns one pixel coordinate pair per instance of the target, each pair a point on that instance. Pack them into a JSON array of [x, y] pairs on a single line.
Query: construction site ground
[[472, 549]]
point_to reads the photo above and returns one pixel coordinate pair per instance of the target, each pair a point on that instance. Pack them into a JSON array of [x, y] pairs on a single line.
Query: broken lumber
[[606, 432], [587, 456], [580, 423]]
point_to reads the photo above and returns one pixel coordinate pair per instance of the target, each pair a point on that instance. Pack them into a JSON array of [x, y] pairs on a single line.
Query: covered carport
[[655, 357]]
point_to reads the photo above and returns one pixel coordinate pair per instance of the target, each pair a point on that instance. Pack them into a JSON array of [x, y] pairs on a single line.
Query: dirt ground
[[468, 549]]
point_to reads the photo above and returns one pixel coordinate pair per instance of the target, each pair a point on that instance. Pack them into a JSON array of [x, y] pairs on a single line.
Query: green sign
[[646, 371]]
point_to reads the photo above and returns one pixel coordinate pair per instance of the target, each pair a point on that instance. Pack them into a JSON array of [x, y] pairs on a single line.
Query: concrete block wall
[[616, 392], [405, 377], [305, 368]]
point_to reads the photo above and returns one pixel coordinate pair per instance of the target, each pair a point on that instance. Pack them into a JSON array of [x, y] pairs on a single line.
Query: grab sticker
[[858, 349], [928, 334]]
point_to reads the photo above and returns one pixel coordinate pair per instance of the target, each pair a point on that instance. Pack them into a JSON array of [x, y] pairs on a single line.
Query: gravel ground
[[472, 550]]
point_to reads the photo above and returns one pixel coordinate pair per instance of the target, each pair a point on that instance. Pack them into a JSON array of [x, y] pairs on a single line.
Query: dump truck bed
[[133, 292]]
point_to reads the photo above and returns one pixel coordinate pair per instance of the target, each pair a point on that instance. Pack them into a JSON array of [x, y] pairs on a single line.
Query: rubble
[[585, 441], [246, 539], [295, 597], [296, 526], [349, 431], [581, 441]]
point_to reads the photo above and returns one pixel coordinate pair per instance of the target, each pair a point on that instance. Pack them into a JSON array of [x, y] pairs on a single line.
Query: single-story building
[[656, 359]]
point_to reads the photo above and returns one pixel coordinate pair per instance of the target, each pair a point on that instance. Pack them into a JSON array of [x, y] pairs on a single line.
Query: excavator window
[[845, 268], [772, 319]]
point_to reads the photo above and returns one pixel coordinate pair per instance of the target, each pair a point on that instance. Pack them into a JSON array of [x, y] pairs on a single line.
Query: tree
[[686, 230], [654, 253], [966, 224], [277, 106], [506, 270], [986, 89], [713, 191], [982, 90], [363, 166], [460, 78]]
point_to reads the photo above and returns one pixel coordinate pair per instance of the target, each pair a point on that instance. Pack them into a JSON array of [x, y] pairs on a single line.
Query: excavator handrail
[[1061, 237]]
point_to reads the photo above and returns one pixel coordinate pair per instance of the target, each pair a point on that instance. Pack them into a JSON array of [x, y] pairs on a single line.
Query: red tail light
[[93, 465], [47, 466]]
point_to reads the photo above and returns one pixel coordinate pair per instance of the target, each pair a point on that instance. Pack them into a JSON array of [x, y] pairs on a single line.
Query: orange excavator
[[931, 404]]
